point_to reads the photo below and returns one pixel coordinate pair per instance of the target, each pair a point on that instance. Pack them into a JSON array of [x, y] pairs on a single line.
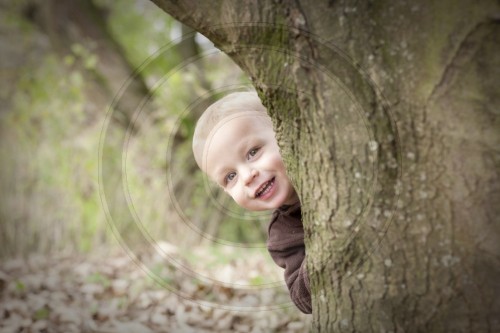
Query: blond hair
[[230, 105]]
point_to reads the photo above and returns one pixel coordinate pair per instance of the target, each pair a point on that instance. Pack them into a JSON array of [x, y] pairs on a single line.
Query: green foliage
[[20, 287], [98, 278], [79, 51], [141, 29], [257, 280], [49, 140], [49, 149], [42, 313]]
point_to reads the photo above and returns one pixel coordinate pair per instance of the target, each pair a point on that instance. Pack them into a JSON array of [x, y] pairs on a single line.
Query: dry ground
[[112, 293]]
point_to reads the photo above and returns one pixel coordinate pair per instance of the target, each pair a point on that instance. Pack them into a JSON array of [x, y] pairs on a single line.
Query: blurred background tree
[[63, 63], [73, 72]]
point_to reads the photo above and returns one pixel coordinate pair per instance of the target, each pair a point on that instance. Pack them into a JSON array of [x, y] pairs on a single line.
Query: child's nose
[[250, 175]]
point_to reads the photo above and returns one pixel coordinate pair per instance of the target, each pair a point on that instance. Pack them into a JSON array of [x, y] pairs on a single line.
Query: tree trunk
[[387, 117]]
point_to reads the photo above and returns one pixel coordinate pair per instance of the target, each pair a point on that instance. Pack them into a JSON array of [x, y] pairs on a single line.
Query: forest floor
[[117, 293]]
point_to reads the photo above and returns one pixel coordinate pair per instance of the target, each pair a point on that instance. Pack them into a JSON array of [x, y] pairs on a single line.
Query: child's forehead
[[234, 133], [238, 125], [253, 115]]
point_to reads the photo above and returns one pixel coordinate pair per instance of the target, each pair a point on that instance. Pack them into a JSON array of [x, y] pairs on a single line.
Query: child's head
[[235, 145]]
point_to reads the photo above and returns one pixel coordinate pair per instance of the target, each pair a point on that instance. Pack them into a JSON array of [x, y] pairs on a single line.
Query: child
[[235, 145]]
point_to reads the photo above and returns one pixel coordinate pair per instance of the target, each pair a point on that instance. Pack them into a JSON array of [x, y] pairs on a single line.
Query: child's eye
[[252, 152], [229, 177]]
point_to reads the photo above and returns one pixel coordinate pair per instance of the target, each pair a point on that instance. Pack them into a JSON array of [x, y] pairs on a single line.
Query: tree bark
[[387, 117]]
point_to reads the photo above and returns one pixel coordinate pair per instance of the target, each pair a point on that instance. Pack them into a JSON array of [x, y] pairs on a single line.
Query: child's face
[[242, 156]]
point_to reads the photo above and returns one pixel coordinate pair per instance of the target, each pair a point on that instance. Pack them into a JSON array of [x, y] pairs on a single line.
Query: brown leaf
[[119, 287], [159, 318]]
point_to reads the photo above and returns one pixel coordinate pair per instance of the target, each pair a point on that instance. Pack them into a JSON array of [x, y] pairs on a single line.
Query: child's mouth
[[265, 188]]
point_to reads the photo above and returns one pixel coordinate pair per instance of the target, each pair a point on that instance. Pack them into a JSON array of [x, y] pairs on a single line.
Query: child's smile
[[266, 190], [242, 156]]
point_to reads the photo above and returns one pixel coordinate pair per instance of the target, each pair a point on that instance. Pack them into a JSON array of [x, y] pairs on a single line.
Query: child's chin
[[275, 206], [263, 208]]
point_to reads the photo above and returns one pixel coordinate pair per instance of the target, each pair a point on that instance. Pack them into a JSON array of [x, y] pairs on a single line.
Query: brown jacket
[[286, 246]]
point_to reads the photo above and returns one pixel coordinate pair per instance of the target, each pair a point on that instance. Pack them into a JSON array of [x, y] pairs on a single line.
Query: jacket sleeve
[[286, 247]]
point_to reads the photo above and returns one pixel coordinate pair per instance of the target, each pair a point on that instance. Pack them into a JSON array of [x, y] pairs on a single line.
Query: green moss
[[42, 313]]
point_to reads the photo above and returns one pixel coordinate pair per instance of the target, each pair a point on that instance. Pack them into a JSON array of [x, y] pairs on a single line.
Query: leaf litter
[[105, 294]]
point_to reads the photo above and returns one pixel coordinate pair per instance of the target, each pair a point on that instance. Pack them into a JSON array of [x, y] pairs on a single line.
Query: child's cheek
[[278, 162], [236, 197]]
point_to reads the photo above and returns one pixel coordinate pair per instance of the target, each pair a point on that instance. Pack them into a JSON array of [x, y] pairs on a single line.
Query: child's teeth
[[266, 188]]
